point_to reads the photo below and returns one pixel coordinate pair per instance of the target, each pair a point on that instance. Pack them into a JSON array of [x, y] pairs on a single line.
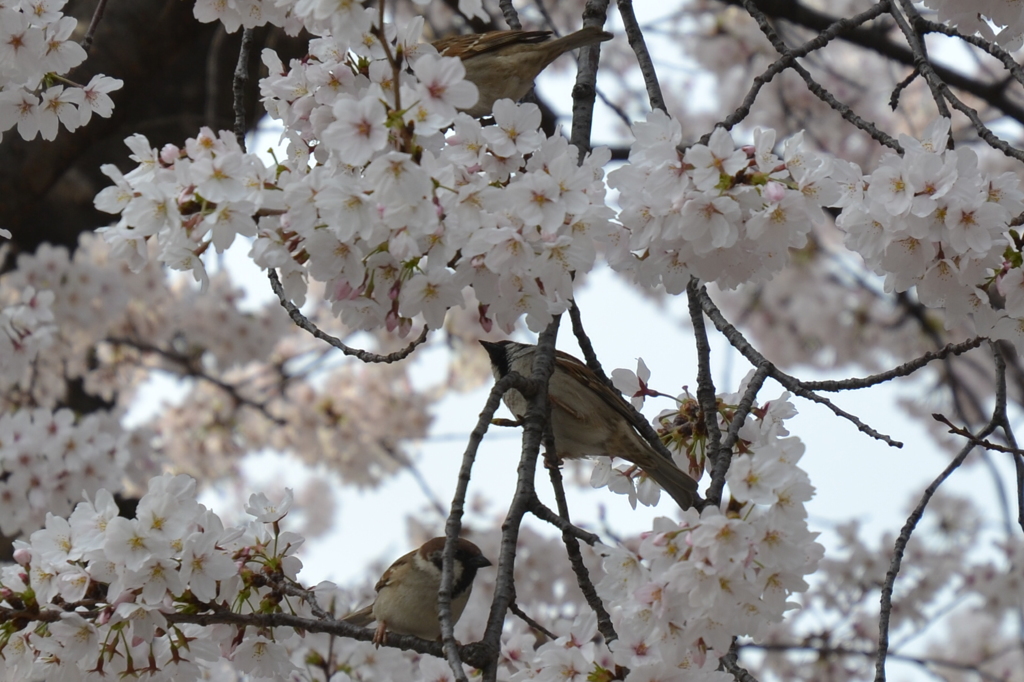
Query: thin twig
[[303, 322], [534, 425], [94, 24], [906, 369], [192, 369], [544, 513], [514, 608], [980, 442], [239, 84], [828, 652], [876, 40], [721, 465], [813, 86], [635, 36], [730, 663], [572, 548], [705, 382], [901, 545], [453, 525], [510, 14], [921, 63], [791, 55], [790, 383], [584, 92], [1009, 63]]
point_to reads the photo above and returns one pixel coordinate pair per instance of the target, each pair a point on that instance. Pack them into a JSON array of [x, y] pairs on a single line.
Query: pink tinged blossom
[[516, 129], [20, 42], [633, 386], [95, 98], [266, 511], [890, 187], [1011, 285], [62, 54], [431, 295], [159, 577], [909, 258], [182, 257], [358, 130], [219, 178], [933, 138], [396, 178], [566, 665], [774, 192], [537, 200], [710, 222], [720, 157], [60, 105], [209, 11], [18, 106], [126, 543], [77, 636], [263, 658], [43, 579], [22, 556], [751, 479], [443, 88], [143, 154], [1010, 329], [229, 220], [656, 139], [54, 543], [971, 228], [115, 198], [73, 584], [940, 283], [203, 565], [151, 210]]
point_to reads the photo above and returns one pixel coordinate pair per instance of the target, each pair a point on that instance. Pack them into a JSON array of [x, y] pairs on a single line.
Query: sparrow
[[588, 417], [505, 63], [406, 602]]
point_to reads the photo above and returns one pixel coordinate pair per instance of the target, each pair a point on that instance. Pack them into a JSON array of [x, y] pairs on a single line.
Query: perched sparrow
[[587, 417], [406, 602], [504, 63]]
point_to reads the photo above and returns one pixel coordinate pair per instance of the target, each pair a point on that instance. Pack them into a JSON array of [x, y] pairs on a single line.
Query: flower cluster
[[721, 214], [26, 327], [36, 50], [118, 582], [716, 574], [581, 655], [47, 459], [931, 219], [394, 218]]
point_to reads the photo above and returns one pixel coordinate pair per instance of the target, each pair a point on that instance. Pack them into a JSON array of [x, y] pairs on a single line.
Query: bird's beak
[[496, 351]]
